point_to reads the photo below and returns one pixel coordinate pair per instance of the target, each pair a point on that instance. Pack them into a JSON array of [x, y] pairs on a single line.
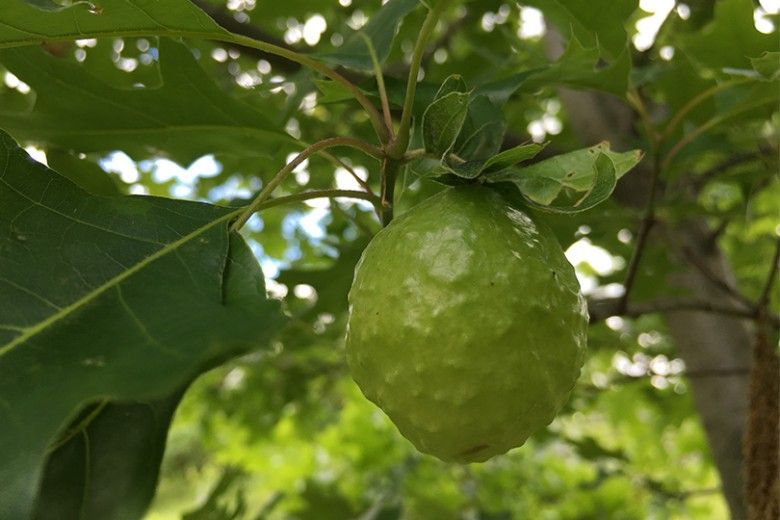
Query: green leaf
[[119, 298], [443, 121], [26, 23], [729, 39], [472, 169], [571, 182], [107, 468], [453, 83], [596, 23], [585, 67], [768, 65], [483, 131], [427, 167], [332, 91], [86, 174], [380, 30], [186, 117], [513, 156], [331, 283], [597, 55], [499, 91]]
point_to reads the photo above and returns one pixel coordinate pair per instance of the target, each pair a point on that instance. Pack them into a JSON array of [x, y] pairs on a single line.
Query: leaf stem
[[78, 428], [318, 194], [380, 82], [679, 145], [338, 162], [698, 100], [401, 142], [373, 114], [265, 193]]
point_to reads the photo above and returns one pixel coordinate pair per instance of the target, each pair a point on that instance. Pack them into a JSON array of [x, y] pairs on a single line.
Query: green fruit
[[466, 326]]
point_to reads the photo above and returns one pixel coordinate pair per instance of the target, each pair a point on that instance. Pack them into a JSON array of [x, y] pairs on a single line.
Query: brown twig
[[717, 281], [604, 308], [224, 19], [644, 230], [734, 160], [763, 300]]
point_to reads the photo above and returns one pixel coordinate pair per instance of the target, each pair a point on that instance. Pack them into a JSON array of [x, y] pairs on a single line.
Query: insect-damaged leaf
[[571, 182]]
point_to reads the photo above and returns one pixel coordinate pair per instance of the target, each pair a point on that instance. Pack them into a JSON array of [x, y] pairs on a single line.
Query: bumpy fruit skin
[[466, 326]]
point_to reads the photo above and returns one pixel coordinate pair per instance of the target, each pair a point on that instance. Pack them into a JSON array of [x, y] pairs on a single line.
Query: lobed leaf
[[185, 117], [115, 298], [23, 22], [767, 65], [380, 30], [729, 39]]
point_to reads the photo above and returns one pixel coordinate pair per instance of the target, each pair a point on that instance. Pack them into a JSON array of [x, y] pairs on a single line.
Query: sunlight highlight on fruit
[[467, 326]]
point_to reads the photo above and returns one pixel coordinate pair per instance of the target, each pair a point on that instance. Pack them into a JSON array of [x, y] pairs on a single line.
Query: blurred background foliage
[[286, 433]]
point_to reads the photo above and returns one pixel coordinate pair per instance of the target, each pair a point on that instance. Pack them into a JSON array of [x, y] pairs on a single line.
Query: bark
[[708, 343], [762, 449]]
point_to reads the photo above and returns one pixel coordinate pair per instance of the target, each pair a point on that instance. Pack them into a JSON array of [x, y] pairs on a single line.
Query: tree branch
[[733, 160], [267, 190], [229, 23], [644, 230], [601, 309], [716, 281], [763, 300]]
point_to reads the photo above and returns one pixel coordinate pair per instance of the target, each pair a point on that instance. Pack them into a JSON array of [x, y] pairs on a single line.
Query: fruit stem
[[389, 173]]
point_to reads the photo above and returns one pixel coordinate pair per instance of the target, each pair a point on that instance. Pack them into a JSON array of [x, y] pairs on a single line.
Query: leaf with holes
[[118, 298], [571, 182]]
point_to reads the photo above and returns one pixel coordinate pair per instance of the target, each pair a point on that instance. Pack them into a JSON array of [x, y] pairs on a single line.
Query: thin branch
[[763, 300], [225, 19], [604, 308], [227, 37], [404, 129], [713, 122], [380, 82], [318, 194], [338, 162], [265, 193], [715, 280], [730, 162], [698, 100], [644, 231], [376, 119], [635, 100]]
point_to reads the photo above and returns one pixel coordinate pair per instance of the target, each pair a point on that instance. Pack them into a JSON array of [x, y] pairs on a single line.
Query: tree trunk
[[704, 341], [762, 449]]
